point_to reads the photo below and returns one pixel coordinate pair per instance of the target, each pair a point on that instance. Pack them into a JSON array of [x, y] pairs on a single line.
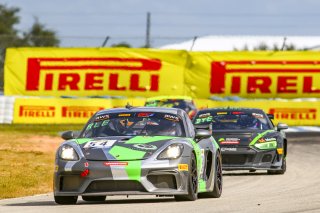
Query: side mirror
[[270, 116], [67, 135], [282, 126], [202, 134]]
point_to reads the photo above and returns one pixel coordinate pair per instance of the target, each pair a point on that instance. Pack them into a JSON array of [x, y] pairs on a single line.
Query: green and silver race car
[[133, 151]]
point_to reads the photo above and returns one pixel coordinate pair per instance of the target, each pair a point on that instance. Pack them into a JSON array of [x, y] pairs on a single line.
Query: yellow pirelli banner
[[291, 112], [59, 110], [151, 72], [265, 74], [94, 72]]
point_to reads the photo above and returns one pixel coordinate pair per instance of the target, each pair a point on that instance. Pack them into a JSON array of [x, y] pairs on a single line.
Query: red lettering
[[294, 113], [33, 74], [261, 83], [154, 83], [34, 67], [218, 74], [288, 84], [21, 111], [31, 114], [134, 83], [36, 111], [307, 85], [49, 82], [293, 116], [70, 79], [92, 79], [113, 82], [283, 84], [135, 86], [79, 111], [236, 83]]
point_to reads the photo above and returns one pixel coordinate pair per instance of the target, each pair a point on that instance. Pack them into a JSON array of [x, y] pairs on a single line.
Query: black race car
[[247, 137]]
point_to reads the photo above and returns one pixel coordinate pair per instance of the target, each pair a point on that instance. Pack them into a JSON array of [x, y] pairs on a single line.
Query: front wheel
[[66, 200], [192, 182]]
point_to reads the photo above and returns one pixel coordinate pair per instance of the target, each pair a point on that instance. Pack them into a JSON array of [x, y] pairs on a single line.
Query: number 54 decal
[[99, 144]]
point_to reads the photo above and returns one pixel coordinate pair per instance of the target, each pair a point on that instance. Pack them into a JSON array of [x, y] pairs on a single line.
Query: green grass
[[27, 158], [25, 173], [39, 129]]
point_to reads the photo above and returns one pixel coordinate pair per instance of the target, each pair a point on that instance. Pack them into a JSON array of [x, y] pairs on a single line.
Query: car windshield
[[234, 120], [186, 105], [134, 123]]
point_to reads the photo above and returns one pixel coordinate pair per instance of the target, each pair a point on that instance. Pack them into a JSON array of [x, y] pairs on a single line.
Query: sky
[[86, 23]]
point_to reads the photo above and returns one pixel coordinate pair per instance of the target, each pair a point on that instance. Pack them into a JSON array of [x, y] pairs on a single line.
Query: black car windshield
[[233, 120], [186, 105], [134, 123]]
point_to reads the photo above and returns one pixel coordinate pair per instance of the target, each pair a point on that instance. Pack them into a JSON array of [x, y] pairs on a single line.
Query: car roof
[[165, 97], [174, 111], [231, 109]]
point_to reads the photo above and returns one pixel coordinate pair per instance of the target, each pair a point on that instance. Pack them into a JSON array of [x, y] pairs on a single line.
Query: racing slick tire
[[281, 171], [66, 200], [192, 182], [217, 189], [94, 198]]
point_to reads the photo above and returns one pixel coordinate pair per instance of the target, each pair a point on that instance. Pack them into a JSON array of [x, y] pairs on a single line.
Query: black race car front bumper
[[250, 158]]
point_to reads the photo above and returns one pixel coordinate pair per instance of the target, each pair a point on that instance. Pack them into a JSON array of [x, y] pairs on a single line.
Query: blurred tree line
[[36, 36]]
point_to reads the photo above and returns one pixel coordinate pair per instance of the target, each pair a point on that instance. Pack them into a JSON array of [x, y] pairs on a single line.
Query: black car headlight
[[67, 152], [173, 151]]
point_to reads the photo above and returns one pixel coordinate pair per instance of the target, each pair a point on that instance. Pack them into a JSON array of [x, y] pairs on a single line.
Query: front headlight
[[266, 145], [68, 153], [171, 152]]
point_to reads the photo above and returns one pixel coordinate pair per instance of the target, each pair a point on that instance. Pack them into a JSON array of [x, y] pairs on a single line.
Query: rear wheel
[[217, 189], [66, 200], [281, 171], [94, 198], [192, 182]]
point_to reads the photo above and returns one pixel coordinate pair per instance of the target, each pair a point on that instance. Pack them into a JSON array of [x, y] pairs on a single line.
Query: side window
[[190, 126]]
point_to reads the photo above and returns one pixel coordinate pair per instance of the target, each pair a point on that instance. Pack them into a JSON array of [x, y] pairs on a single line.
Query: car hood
[[242, 138], [122, 148]]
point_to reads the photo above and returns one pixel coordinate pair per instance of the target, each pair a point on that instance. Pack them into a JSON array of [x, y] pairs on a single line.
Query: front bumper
[[157, 177], [250, 158]]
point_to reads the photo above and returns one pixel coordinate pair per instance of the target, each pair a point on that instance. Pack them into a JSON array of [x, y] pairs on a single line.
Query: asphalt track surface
[[298, 190]]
